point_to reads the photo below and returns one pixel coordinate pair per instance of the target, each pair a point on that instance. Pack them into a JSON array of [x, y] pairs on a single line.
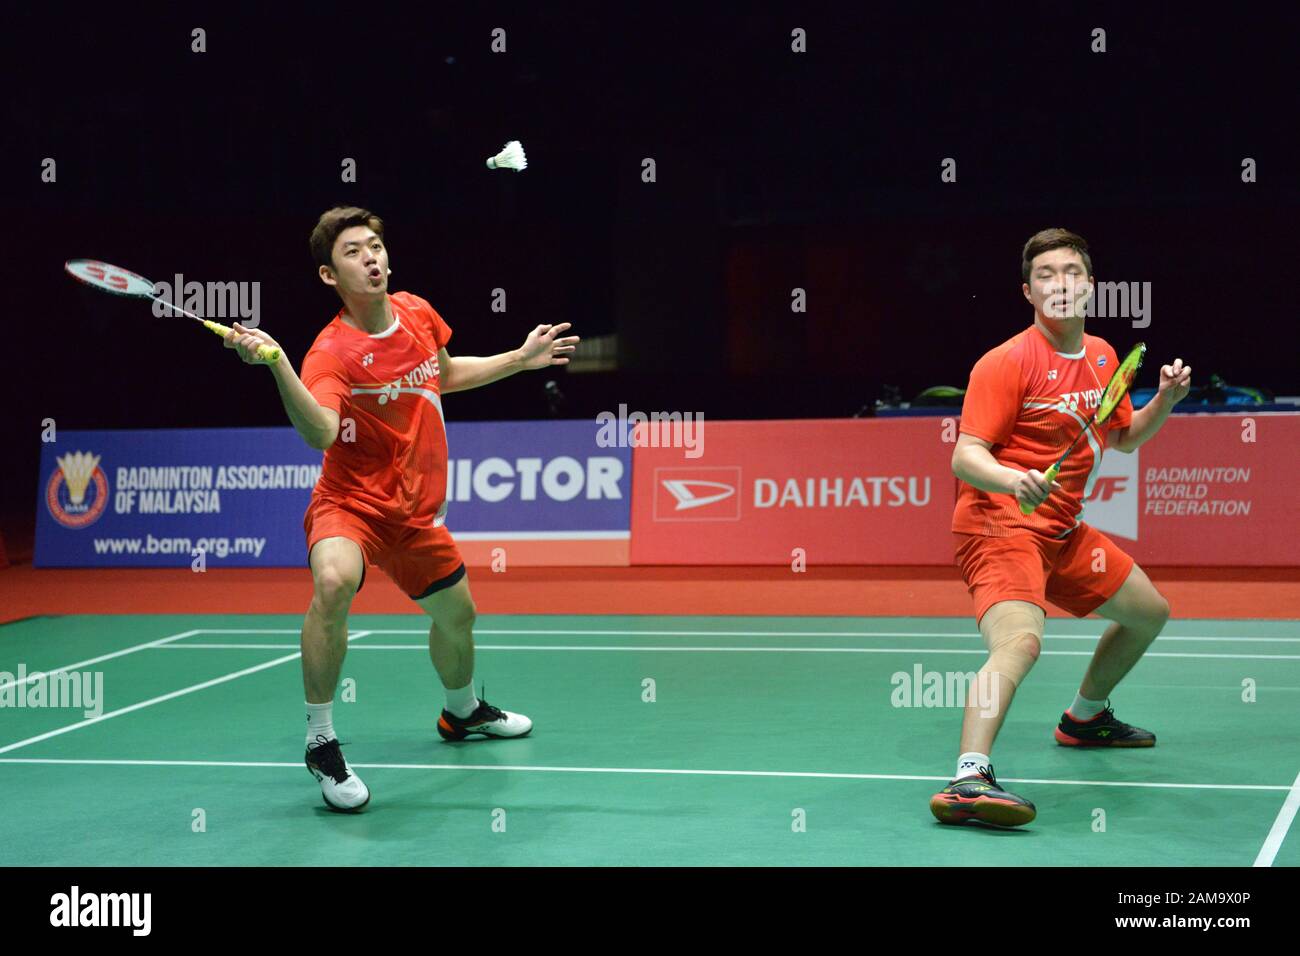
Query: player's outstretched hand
[[247, 341], [1175, 381], [543, 348], [1033, 488]]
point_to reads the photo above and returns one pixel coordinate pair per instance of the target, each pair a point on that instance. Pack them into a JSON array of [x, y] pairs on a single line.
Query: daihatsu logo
[[686, 498]]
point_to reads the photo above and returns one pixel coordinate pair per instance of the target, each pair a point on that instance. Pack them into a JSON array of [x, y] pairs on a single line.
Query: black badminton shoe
[[1102, 731], [980, 797]]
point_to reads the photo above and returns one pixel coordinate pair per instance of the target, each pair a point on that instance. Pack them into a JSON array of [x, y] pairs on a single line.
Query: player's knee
[[454, 619], [1157, 611], [464, 616], [335, 588], [1026, 646]]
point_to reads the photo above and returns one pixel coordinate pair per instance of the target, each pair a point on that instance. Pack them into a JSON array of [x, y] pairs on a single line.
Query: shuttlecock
[[510, 157]]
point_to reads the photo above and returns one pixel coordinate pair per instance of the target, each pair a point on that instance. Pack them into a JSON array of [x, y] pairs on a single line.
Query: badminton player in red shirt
[[370, 396], [1027, 400]]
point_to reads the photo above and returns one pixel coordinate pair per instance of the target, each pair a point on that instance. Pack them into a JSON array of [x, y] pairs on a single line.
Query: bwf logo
[[76, 909], [1108, 487], [1111, 503]]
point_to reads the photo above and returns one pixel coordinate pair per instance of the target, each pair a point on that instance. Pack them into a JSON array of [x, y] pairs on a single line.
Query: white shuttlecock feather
[[510, 157]]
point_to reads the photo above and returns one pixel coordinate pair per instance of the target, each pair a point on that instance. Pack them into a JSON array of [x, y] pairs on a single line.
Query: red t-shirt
[[1030, 401], [386, 387]]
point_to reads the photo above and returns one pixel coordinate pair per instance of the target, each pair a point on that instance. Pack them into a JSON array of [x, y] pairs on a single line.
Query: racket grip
[[1050, 475], [267, 353]]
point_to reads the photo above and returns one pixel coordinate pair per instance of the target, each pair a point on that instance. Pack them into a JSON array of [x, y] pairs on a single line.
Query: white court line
[[580, 633], [68, 728], [641, 770], [147, 645], [1273, 842], [161, 642], [724, 650]]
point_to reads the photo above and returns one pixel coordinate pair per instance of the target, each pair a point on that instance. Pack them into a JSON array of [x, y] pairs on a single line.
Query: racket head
[[1119, 383], [109, 278]]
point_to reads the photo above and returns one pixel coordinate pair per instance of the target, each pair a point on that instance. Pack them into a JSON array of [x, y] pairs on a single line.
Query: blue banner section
[[236, 497], [553, 476]]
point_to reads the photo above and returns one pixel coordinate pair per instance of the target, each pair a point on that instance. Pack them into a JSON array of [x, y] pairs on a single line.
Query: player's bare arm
[[973, 463], [543, 347], [317, 425], [1175, 383]]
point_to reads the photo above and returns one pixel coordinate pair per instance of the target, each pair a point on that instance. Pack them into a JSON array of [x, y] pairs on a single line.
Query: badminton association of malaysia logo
[[697, 494], [77, 491]]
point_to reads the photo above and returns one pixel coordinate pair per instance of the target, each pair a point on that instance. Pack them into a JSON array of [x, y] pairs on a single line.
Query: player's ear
[[327, 276], [1024, 288]]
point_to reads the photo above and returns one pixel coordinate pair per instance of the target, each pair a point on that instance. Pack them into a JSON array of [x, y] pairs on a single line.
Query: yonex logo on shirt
[[368, 359], [422, 373], [1072, 400]]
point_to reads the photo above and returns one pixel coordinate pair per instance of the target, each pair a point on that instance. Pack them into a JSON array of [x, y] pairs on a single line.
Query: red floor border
[[1225, 593]]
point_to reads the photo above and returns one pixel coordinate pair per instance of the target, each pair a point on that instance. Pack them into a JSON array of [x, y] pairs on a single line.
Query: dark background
[[775, 170]]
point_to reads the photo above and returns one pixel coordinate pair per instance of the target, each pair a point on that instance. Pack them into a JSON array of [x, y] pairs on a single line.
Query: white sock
[[462, 702], [320, 722], [1085, 709], [968, 764]]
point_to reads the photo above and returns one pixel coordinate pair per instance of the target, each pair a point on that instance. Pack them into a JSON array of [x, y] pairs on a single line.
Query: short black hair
[[334, 221]]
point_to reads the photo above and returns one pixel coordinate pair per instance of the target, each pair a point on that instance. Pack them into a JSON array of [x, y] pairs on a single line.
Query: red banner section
[[1209, 490], [850, 491]]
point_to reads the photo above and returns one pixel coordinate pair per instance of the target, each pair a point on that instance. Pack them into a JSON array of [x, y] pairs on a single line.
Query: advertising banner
[[1207, 490], [158, 498], [853, 491]]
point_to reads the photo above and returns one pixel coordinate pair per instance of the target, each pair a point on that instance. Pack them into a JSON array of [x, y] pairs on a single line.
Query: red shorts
[[420, 560], [1077, 573]]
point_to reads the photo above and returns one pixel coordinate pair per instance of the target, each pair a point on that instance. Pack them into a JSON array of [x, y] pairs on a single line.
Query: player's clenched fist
[[248, 341], [1032, 488]]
